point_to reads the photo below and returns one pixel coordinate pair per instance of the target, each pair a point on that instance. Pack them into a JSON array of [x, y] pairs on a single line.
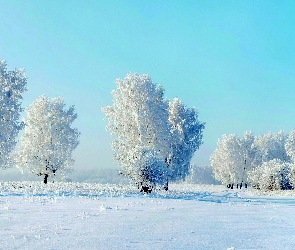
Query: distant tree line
[[201, 174], [265, 161]]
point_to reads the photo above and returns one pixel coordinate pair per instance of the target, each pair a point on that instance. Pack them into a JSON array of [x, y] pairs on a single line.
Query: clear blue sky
[[232, 60]]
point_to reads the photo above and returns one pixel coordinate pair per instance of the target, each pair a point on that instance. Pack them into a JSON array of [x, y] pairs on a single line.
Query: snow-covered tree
[[273, 161], [271, 175], [249, 153], [271, 146], [225, 159], [48, 140], [290, 145], [264, 158], [187, 134], [12, 85], [233, 158], [139, 121], [291, 175], [290, 150]]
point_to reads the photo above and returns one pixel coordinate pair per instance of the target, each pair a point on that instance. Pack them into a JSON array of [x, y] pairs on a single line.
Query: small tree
[[12, 86], [153, 143], [48, 141]]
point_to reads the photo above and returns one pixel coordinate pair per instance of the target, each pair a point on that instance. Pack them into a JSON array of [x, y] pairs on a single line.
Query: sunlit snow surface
[[94, 216]]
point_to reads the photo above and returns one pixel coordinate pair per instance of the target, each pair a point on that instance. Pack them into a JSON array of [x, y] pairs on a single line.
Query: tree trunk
[[146, 189], [45, 178], [53, 171], [166, 186]]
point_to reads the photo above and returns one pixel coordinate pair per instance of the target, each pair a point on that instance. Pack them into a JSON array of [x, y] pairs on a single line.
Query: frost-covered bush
[[271, 175], [150, 170]]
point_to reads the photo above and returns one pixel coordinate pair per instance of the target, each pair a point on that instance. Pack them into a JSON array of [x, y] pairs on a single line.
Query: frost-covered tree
[[275, 160], [225, 159], [291, 175], [271, 146], [290, 145], [12, 85], [140, 122], [249, 152], [48, 140], [233, 158], [187, 134], [264, 157], [271, 175]]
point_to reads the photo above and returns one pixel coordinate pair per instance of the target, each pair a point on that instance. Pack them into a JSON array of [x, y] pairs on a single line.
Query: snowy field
[[94, 216]]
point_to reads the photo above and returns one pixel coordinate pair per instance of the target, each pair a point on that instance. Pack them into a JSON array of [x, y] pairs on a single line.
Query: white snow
[[95, 216]]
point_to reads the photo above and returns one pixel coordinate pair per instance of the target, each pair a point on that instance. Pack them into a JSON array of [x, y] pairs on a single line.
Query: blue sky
[[232, 60]]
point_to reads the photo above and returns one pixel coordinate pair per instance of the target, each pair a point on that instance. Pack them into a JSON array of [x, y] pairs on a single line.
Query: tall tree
[[12, 85], [139, 121], [48, 141]]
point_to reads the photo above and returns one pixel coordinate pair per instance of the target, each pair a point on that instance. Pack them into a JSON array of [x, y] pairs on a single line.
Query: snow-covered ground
[[94, 216]]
